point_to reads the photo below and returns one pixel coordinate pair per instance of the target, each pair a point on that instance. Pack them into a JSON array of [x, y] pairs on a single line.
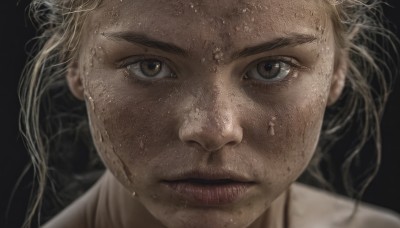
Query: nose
[[212, 123]]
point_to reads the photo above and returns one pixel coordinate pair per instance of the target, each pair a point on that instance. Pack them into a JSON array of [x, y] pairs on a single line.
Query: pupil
[[269, 70], [150, 68]]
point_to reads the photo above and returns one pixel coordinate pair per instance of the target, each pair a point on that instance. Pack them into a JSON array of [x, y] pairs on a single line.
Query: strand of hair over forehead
[[59, 22]]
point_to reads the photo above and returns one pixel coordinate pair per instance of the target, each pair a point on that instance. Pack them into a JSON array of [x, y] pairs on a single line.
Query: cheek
[[286, 131], [129, 127]]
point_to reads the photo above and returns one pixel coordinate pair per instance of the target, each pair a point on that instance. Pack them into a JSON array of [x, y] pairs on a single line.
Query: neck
[[116, 207]]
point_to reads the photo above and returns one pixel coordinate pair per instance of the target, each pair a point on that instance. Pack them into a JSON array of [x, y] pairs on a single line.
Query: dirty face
[[207, 110]]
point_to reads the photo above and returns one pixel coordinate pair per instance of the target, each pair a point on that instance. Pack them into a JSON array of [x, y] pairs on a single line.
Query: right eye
[[149, 69]]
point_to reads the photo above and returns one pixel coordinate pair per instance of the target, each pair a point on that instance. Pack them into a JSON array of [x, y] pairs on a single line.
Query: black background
[[16, 30]]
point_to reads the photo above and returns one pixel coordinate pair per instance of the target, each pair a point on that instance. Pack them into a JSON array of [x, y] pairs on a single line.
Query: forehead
[[223, 22]]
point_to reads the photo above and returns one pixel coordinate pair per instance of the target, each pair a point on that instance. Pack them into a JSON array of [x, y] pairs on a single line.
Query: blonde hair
[[358, 29]]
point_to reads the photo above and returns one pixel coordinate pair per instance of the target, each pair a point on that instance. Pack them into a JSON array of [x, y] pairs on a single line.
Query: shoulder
[[79, 213], [311, 207]]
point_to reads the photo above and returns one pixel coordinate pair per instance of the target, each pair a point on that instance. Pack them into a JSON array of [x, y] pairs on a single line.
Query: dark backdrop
[[16, 31]]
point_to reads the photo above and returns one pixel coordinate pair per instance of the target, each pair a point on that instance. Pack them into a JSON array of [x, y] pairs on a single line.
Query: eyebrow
[[141, 39], [290, 40]]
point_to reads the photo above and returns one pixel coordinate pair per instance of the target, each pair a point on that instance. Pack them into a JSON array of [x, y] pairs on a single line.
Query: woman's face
[[207, 109]]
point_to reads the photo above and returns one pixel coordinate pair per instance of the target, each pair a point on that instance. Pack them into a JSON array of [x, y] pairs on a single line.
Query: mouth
[[209, 189]]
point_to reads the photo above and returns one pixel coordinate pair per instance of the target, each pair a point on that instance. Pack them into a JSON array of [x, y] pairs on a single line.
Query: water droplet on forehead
[[218, 55]]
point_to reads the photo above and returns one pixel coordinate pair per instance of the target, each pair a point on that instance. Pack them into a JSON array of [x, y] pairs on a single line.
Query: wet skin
[[237, 86]]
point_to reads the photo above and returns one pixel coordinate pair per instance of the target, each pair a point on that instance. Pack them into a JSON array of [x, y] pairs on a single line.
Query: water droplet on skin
[[91, 102], [271, 126], [213, 69], [141, 145], [101, 137], [203, 60], [218, 55], [133, 193]]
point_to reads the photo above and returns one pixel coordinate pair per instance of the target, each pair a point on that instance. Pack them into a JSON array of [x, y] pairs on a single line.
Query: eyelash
[[292, 62], [296, 67], [136, 59]]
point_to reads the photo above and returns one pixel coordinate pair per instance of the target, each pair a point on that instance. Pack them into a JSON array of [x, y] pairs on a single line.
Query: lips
[[211, 188]]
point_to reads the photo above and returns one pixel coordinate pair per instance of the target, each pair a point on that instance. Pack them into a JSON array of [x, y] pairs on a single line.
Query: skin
[[212, 115]]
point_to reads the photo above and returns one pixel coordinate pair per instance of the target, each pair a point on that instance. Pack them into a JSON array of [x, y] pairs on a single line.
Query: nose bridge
[[212, 120]]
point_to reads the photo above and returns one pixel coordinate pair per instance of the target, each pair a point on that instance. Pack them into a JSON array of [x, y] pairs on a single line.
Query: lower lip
[[210, 195]]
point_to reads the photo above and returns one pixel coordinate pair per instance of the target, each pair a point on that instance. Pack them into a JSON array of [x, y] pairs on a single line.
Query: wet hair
[[55, 126]]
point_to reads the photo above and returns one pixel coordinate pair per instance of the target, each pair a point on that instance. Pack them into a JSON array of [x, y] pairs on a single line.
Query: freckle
[[289, 169]]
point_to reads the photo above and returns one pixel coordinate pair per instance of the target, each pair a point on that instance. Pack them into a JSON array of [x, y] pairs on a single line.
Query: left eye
[[270, 71], [149, 69]]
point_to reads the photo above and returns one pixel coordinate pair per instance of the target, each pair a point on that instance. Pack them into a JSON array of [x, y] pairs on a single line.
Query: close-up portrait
[[201, 114]]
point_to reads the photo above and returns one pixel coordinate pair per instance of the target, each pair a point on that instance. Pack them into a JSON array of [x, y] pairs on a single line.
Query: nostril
[[210, 142]]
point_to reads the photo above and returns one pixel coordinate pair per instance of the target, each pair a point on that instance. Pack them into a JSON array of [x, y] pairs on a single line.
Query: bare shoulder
[[311, 207], [77, 214]]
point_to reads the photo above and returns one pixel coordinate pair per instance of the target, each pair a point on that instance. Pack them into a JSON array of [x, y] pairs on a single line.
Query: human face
[[181, 94]]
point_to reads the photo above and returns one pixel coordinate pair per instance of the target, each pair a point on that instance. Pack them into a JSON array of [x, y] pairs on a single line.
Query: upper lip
[[209, 175]]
